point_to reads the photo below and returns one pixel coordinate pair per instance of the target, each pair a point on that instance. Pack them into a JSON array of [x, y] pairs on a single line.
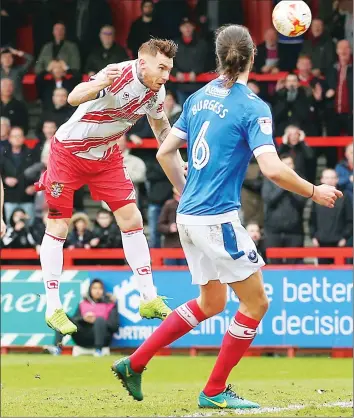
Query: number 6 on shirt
[[200, 150]]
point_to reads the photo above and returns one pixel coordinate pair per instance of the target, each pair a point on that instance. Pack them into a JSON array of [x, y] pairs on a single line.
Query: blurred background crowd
[[73, 39]]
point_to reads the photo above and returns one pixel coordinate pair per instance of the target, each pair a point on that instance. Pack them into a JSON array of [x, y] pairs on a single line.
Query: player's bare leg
[[51, 256], [241, 332], [212, 299], [137, 253]]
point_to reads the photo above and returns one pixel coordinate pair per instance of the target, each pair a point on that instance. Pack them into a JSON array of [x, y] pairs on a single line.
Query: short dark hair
[[234, 50], [285, 155], [164, 46], [104, 212], [143, 2]]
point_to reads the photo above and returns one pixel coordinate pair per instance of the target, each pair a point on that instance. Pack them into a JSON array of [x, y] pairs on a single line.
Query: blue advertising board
[[308, 308]]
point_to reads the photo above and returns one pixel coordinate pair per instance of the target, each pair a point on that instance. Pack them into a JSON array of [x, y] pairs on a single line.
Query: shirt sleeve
[[259, 129], [180, 129], [156, 111]]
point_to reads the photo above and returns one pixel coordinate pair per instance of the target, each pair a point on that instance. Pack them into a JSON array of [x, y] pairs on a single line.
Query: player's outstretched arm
[[90, 90], [169, 158], [2, 223], [283, 176]]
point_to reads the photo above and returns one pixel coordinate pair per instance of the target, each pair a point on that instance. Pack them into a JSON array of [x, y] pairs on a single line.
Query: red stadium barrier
[[159, 254], [312, 141], [29, 79]]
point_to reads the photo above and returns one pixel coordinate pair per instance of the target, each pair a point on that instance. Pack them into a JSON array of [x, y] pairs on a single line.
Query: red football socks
[[237, 339], [178, 323]]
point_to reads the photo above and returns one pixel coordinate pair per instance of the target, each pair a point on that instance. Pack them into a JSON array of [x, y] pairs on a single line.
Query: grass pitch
[[45, 386]]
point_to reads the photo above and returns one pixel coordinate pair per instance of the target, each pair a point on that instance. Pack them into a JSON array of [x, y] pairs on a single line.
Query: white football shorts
[[218, 247]]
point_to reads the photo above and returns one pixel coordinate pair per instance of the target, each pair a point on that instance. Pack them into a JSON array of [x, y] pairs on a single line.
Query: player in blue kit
[[224, 123]]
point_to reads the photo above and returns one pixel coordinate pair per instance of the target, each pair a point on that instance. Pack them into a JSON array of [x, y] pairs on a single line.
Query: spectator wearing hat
[[190, 58]]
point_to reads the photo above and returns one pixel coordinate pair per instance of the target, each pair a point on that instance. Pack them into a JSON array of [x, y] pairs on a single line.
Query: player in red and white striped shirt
[[85, 151]]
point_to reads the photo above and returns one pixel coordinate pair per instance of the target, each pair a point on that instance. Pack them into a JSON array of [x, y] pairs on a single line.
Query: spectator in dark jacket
[[5, 128], [283, 216], [19, 234], [159, 190], [340, 94], [168, 228], [108, 52], [11, 108], [254, 231], [331, 227], [190, 58], [294, 144], [293, 106], [320, 48], [105, 232], [59, 111], [268, 59], [97, 320], [81, 234], [55, 77], [344, 171], [143, 28], [19, 192], [252, 203], [15, 72]]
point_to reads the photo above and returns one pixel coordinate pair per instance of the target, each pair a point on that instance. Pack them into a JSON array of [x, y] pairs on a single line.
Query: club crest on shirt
[[56, 189], [152, 102], [125, 95], [252, 256], [266, 125]]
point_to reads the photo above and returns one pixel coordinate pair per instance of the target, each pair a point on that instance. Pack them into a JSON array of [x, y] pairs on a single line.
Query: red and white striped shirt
[[93, 130]]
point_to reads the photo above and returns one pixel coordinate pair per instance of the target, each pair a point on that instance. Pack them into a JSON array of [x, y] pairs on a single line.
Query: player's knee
[[58, 227], [212, 307], [258, 307], [128, 218]]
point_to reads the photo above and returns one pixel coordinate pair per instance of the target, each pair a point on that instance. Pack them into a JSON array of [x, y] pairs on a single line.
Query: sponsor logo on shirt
[[217, 91], [266, 125]]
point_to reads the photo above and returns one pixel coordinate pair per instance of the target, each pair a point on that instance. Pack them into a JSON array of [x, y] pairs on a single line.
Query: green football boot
[[61, 323], [155, 309], [227, 399], [130, 379]]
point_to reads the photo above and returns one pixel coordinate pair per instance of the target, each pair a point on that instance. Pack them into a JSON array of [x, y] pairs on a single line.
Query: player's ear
[[142, 63]]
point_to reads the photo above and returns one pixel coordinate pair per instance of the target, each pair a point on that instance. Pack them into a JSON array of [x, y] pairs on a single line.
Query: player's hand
[[2, 229], [173, 228], [110, 73], [342, 242], [326, 195], [315, 242], [11, 181]]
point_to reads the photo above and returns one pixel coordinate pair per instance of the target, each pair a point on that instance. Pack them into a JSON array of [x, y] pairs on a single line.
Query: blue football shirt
[[222, 128]]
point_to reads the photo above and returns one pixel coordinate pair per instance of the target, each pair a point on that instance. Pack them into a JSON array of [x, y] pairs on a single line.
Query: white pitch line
[[258, 411]]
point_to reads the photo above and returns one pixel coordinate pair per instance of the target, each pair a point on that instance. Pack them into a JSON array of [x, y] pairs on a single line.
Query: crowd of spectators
[[315, 98]]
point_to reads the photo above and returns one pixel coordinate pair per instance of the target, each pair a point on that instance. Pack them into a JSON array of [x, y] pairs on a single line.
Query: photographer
[[19, 234], [293, 106]]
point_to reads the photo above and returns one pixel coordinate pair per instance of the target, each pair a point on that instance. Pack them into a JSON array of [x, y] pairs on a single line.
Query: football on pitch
[[292, 18]]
